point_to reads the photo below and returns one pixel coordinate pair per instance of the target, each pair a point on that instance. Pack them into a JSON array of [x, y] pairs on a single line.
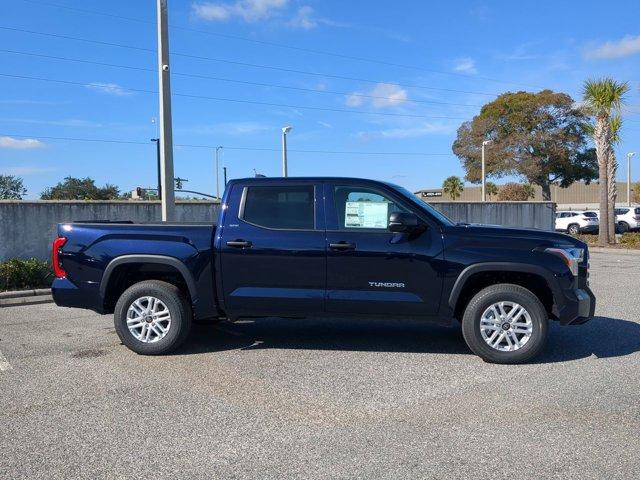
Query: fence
[[28, 227], [512, 214]]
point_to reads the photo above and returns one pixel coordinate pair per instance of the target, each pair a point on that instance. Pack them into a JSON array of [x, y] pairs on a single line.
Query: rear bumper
[[66, 294], [579, 307], [589, 229]]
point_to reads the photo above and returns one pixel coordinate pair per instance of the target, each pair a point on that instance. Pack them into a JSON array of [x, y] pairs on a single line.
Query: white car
[[574, 222], [628, 218]]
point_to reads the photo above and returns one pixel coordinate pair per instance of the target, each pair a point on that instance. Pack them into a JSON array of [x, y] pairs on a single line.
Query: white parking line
[[4, 364]]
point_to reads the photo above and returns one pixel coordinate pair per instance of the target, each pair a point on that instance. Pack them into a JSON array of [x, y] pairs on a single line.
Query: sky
[[371, 89]]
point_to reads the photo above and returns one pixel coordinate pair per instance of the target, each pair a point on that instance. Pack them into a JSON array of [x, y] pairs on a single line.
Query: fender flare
[[159, 259], [502, 267]]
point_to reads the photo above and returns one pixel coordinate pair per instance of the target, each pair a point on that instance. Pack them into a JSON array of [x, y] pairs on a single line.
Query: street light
[[629, 155], [285, 130], [217, 172], [484, 197]]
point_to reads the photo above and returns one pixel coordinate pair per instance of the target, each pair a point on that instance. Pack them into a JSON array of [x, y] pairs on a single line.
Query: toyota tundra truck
[[325, 247]]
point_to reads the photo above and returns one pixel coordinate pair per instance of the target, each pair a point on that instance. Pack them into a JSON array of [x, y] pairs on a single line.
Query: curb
[[621, 251], [25, 297]]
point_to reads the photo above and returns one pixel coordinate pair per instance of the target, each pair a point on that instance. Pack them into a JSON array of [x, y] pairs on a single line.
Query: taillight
[[55, 257]]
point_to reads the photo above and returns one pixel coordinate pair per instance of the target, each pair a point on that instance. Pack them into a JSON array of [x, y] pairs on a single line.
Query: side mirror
[[403, 222]]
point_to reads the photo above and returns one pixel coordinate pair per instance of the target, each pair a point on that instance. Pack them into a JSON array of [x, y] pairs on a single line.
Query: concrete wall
[[27, 228], [513, 214]]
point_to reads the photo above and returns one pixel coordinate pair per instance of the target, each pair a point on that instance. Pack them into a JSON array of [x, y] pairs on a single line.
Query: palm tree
[[612, 171], [602, 97], [453, 186], [491, 189]]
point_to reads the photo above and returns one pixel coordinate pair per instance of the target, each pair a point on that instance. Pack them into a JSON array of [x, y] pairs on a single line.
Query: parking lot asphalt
[[314, 398]]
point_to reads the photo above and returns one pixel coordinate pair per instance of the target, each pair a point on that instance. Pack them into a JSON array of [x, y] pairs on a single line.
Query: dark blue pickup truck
[[341, 247]]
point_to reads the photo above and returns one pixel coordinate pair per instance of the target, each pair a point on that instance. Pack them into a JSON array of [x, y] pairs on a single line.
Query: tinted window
[[637, 211], [363, 208], [287, 207], [590, 214], [621, 211]]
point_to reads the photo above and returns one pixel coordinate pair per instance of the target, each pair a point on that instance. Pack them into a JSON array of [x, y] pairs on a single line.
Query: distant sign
[[431, 194]]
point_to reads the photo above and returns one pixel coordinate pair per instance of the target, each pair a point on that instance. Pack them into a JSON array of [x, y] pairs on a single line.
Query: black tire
[[176, 303], [512, 293], [573, 229], [623, 227]]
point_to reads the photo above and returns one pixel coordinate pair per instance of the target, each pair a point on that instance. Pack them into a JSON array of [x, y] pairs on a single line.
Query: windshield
[[423, 205]]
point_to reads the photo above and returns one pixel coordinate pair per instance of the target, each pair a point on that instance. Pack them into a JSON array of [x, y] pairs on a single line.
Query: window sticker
[[366, 215]]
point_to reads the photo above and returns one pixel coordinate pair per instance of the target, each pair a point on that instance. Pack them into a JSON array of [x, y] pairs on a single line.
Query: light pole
[[484, 197], [217, 172], [285, 130], [629, 155]]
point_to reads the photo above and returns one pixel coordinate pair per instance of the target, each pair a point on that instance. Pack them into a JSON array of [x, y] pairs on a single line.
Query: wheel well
[[478, 281], [125, 275]]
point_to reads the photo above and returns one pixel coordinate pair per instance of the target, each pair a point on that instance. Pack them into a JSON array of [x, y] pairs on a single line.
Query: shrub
[[630, 239], [515, 192], [17, 274]]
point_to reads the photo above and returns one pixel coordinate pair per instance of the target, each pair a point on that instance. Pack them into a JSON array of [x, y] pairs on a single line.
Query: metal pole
[[224, 169], [284, 153], [629, 155], [166, 137], [217, 173], [157, 141]]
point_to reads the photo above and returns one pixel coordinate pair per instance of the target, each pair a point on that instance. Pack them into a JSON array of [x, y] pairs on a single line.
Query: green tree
[[80, 189], [516, 192], [602, 98], [540, 136], [11, 188], [490, 189], [635, 192], [453, 186]]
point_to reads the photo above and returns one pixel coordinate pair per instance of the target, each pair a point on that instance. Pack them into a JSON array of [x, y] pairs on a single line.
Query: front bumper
[[579, 307]]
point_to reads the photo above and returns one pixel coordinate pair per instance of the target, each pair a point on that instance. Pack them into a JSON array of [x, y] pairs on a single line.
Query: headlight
[[571, 256]]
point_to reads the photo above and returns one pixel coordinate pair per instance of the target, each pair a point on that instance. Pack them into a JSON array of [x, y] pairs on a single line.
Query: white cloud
[[629, 45], [324, 124], [304, 19], [26, 170], [409, 132], [381, 96], [110, 89], [20, 144], [247, 10], [465, 65]]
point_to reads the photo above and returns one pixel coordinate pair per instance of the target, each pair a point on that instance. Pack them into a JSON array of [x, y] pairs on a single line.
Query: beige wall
[[578, 193]]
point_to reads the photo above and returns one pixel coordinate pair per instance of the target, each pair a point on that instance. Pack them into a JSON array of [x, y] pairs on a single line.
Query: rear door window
[[280, 207]]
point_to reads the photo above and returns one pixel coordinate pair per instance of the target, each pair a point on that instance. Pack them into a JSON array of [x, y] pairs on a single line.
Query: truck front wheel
[[152, 317], [505, 323]]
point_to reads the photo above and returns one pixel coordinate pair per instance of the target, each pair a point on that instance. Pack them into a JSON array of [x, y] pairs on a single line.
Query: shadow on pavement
[[602, 337]]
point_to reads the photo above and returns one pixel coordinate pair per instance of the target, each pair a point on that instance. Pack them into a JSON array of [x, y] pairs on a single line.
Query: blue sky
[[419, 68]]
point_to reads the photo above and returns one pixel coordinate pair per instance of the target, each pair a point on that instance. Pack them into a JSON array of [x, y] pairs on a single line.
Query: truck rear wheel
[[152, 317], [505, 323]]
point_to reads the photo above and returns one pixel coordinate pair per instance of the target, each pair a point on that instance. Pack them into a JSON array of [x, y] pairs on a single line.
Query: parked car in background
[[628, 218], [575, 222]]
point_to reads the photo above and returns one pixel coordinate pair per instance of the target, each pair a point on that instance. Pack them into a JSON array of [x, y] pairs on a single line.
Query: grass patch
[[627, 240], [18, 274]]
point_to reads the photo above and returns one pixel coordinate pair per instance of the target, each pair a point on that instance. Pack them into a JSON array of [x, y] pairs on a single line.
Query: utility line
[[282, 45], [255, 149], [237, 100], [231, 80], [245, 64]]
